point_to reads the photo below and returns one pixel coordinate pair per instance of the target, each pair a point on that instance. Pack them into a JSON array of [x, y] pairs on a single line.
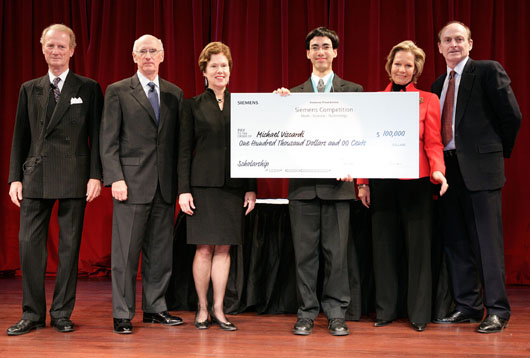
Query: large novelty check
[[325, 135]]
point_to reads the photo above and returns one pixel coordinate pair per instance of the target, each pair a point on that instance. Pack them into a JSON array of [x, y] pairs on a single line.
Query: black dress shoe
[[420, 327], [225, 326], [23, 326], [337, 327], [63, 325], [459, 317], [492, 324], [201, 325], [162, 317], [123, 326], [381, 322], [303, 327]]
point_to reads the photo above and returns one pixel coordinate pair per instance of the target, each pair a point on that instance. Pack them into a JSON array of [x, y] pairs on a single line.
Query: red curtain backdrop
[[267, 42]]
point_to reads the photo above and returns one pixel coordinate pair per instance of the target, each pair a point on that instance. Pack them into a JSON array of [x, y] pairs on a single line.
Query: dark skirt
[[218, 217]]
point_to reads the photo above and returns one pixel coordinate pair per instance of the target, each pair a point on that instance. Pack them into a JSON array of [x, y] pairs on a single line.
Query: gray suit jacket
[[326, 189], [487, 121], [133, 147], [56, 160]]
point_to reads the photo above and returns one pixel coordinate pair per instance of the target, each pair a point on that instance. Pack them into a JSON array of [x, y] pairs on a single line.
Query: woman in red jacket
[[402, 208]]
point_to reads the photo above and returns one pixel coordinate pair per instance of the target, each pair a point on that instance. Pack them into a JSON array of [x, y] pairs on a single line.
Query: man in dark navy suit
[[480, 122], [54, 157]]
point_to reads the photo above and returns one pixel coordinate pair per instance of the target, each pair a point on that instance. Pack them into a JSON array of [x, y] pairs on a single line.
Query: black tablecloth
[[262, 275]]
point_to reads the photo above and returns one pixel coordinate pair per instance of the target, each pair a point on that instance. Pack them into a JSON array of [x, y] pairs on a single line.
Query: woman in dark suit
[[402, 208], [215, 202]]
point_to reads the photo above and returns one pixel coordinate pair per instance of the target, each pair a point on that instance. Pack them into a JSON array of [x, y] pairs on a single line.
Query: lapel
[[70, 89], [42, 94], [337, 84], [307, 86], [139, 94], [464, 91], [163, 103], [437, 86]]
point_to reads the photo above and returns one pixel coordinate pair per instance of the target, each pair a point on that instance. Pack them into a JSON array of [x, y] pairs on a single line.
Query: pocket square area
[[76, 100]]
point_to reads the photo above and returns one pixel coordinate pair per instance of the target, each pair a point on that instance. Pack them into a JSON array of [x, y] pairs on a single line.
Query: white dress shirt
[[62, 76], [144, 82]]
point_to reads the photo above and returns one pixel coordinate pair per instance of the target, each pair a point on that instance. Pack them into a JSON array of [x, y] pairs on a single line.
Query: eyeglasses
[[324, 47], [152, 51]]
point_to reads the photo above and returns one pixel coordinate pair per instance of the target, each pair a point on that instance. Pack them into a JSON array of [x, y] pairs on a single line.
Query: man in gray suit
[[319, 210], [139, 155], [54, 157]]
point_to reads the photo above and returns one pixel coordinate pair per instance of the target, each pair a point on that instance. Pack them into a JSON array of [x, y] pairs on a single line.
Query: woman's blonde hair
[[409, 46]]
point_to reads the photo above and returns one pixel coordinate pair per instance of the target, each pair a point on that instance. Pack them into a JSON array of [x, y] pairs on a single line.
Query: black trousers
[[145, 228], [34, 222], [402, 210], [321, 227], [473, 244]]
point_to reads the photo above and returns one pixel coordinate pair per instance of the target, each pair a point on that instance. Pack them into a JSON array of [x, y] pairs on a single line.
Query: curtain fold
[[267, 42]]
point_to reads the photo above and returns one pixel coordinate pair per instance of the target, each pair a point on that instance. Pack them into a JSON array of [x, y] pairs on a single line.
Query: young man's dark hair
[[324, 32]]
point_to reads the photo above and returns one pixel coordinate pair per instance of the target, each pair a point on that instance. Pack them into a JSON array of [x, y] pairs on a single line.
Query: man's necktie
[[56, 90], [321, 86], [153, 98], [447, 112]]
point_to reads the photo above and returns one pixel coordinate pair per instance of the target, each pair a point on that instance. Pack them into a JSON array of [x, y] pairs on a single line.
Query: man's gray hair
[[146, 35]]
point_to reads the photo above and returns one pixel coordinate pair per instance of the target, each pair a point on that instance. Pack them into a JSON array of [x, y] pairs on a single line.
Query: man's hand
[[15, 192], [119, 190], [347, 178], [93, 189], [282, 91]]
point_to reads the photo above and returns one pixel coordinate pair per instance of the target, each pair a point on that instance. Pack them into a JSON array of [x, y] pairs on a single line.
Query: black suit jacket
[[56, 160], [487, 121], [133, 147], [204, 155], [326, 189]]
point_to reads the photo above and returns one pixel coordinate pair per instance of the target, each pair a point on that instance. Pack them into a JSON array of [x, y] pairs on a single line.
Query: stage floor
[[258, 336]]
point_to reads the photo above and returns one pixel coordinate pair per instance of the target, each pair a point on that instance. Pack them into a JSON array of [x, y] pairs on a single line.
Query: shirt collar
[[315, 78], [144, 80], [458, 68], [62, 76]]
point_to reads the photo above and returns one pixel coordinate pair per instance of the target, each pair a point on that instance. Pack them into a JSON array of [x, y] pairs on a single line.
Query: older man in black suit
[[480, 122], [139, 144], [54, 157], [319, 210]]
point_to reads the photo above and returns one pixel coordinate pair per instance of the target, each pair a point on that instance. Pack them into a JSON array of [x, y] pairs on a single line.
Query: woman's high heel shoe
[[225, 326], [201, 325]]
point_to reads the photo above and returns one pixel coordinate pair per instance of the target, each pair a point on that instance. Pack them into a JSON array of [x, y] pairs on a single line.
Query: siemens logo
[[242, 103]]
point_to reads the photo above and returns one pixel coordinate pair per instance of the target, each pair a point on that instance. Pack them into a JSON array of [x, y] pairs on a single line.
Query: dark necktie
[[321, 86], [56, 90], [447, 112], [153, 99]]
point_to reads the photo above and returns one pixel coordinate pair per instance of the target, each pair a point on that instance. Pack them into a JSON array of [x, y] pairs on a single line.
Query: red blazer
[[431, 147]]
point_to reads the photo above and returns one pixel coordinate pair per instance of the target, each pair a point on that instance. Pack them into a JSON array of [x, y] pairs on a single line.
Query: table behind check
[[262, 276]]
